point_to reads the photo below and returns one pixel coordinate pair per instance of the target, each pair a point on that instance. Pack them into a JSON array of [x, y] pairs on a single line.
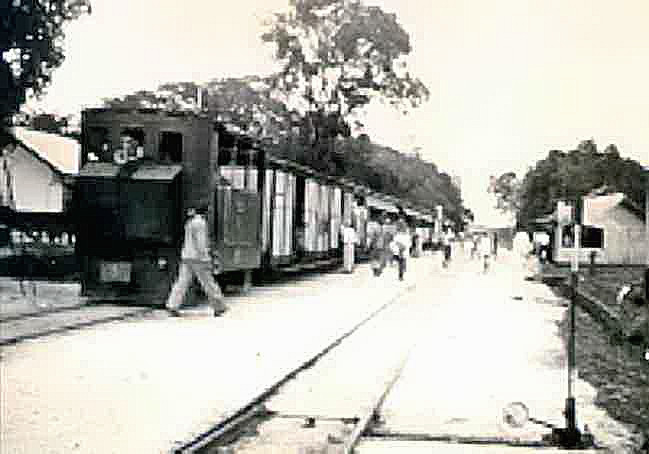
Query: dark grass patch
[[616, 370]]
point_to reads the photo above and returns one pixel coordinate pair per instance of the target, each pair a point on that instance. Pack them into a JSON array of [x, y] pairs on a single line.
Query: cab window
[[171, 147], [131, 146], [98, 145]]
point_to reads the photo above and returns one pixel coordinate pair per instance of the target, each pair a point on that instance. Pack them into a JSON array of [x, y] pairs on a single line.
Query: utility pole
[[646, 211], [646, 220], [570, 437]]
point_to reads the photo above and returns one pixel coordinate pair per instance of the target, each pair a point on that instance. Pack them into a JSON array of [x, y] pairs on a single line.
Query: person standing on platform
[[414, 250], [522, 247], [196, 263], [446, 242], [349, 242], [377, 247], [486, 249], [387, 241], [399, 248], [25, 268]]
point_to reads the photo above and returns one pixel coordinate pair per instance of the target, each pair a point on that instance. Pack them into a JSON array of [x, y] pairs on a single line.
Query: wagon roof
[[99, 169], [157, 172], [148, 172]]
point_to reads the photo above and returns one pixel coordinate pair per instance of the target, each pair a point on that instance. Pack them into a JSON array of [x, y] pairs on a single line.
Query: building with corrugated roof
[[37, 171]]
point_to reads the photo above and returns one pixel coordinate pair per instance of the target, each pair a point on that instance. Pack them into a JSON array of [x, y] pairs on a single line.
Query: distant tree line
[[385, 170], [566, 176]]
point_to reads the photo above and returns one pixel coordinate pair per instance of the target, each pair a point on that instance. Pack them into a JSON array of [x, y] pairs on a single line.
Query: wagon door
[[238, 228]]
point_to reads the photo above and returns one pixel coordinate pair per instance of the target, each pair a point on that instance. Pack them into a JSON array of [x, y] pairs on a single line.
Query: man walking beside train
[[196, 263]]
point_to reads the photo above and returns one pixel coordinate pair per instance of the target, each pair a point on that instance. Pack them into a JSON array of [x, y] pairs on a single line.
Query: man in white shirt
[[485, 248], [196, 262], [400, 246], [522, 247]]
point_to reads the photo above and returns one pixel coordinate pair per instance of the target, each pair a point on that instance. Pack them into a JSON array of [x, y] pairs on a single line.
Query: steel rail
[[73, 327], [373, 412], [87, 302], [256, 405]]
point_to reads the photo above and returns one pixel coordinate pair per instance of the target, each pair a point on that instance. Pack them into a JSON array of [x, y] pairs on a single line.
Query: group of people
[[483, 248], [389, 248], [386, 247]]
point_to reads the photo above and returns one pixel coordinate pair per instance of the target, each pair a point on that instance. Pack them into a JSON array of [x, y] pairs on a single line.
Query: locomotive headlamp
[[162, 263]]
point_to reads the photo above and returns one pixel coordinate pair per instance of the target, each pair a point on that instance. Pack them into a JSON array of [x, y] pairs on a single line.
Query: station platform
[[150, 385]]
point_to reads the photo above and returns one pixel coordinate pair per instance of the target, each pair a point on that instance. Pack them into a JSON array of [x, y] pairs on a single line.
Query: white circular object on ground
[[516, 414]]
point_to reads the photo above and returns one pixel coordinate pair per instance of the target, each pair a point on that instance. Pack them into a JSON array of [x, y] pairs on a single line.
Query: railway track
[[64, 319], [234, 427], [333, 402], [239, 430]]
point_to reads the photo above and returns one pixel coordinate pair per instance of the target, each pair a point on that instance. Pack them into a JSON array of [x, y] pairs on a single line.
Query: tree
[[139, 99], [507, 189], [245, 103], [250, 103], [336, 55], [576, 173], [31, 47]]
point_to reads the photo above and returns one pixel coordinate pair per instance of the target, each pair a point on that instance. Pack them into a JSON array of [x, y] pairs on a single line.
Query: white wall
[[625, 241], [36, 187]]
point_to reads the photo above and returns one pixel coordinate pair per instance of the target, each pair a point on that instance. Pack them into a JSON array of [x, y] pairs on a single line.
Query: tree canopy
[[388, 171], [31, 47], [336, 55], [507, 188], [576, 173]]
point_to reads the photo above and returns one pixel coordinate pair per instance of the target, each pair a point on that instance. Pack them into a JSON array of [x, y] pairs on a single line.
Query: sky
[[509, 79]]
